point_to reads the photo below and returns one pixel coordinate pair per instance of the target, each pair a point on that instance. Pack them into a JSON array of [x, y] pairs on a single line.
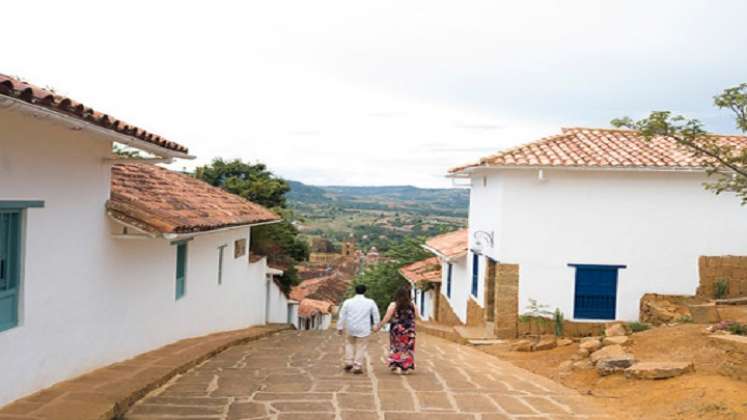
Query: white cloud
[[386, 92]]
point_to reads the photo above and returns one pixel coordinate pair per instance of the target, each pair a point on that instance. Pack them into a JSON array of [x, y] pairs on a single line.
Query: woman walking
[[401, 316]]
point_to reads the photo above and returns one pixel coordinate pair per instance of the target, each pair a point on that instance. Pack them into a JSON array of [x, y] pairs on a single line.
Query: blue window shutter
[[220, 263], [475, 273], [10, 244], [181, 269], [595, 295], [448, 279]]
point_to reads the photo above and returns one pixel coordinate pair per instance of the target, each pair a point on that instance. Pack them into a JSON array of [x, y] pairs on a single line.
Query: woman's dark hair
[[402, 298]]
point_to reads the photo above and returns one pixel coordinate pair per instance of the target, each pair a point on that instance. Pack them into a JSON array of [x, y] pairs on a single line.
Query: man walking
[[357, 316]]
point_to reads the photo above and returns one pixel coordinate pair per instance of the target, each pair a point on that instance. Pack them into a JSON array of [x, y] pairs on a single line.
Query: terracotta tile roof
[[158, 200], [600, 148], [449, 245], [428, 270], [310, 307], [44, 98], [328, 288]]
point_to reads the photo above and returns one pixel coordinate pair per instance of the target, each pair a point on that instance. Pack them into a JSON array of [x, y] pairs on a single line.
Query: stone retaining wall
[[446, 314], [735, 365], [506, 300], [570, 328], [733, 269], [475, 313]]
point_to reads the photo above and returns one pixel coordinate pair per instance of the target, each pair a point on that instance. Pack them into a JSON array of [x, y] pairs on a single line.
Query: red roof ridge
[[600, 148], [44, 98]]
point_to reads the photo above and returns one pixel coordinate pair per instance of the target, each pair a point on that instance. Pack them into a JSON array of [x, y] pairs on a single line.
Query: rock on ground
[[608, 352], [545, 343], [564, 342], [590, 345], [615, 330], [522, 345], [615, 364], [658, 370], [582, 365], [620, 340]]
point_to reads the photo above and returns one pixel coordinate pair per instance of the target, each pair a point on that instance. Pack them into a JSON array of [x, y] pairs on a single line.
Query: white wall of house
[[88, 300], [655, 223], [279, 304], [459, 287]]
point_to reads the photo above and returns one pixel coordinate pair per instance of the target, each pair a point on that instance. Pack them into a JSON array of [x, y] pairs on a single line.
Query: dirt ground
[[701, 395]]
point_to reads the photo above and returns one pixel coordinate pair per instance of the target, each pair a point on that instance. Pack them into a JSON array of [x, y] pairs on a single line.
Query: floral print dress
[[402, 339]]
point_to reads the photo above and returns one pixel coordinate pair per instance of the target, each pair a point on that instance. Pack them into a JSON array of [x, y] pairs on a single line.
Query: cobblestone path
[[297, 375]]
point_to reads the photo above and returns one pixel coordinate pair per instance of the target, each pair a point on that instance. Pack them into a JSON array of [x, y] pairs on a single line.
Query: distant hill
[[427, 201]]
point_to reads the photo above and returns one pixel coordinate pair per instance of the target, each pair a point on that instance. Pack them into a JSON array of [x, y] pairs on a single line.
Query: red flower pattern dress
[[402, 339]]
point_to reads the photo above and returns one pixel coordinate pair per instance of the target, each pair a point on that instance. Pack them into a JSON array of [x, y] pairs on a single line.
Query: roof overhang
[[476, 170], [146, 231], [443, 256], [76, 124]]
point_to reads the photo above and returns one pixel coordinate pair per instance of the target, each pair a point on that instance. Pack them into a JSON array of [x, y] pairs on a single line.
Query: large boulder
[[615, 330], [658, 370], [619, 340], [608, 352], [615, 364], [662, 309], [545, 343]]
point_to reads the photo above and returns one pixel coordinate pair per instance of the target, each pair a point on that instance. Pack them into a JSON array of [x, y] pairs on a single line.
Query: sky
[[378, 92]]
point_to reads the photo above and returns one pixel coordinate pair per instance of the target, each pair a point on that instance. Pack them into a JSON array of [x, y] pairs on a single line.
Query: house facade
[[102, 259], [425, 280], [588, 221]]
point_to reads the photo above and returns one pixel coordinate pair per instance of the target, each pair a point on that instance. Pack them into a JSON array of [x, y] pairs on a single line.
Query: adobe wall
[[475, 313], [446, 314], [733, 269], [506, 300]]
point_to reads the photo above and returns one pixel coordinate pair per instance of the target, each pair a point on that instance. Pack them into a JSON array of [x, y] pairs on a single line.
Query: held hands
[[377, 328], [339, 332]]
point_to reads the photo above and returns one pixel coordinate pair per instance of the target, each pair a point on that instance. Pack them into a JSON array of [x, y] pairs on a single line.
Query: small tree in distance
[[725, 160]]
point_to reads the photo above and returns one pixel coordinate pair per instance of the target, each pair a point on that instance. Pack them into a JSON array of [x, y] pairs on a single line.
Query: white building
[[594, 219], [100, 259], [280, 309], [314, 314], [425, 280]]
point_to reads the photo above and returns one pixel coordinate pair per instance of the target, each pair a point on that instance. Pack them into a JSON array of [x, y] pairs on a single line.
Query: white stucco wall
[[88, 300], [278, 305], [460, 283], [655, 223]]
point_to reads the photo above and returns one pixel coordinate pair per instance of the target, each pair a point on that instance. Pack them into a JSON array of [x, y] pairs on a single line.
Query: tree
[[726, 161], [383, 279], [251, 181], [278, 241]]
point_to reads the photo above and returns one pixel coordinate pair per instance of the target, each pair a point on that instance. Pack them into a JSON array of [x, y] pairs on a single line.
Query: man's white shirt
[[357, 315]]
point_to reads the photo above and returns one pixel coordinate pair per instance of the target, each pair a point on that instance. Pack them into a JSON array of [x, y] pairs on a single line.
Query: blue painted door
[[422, 303], [596, 292], [9, 268]]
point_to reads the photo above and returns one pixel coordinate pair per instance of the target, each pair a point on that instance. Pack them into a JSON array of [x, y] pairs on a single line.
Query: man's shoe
[[357, 370], [348, 368]]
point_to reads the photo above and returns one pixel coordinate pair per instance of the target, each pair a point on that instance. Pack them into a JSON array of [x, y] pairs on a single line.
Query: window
[[449, 267], [239, 248], [595, 295], [220, 263], [181, 269], [475, 273], [10, 244]]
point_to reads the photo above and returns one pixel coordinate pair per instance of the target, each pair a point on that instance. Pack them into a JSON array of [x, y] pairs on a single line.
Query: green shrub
[[685, 319], [738, 329], [558, 319], [720, 288], [638, 326]]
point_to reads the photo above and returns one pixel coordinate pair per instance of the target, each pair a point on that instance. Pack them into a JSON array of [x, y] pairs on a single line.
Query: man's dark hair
[[360, 289]]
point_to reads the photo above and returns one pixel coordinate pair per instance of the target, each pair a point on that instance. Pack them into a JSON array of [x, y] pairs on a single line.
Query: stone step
[[485, 342], [475, 333]]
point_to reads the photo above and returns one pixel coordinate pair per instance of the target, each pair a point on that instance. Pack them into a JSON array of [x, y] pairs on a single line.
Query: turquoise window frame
[[10, 267], [182, 251], [12, 219]]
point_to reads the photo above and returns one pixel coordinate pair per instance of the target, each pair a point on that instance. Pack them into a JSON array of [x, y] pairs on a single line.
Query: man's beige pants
[[355, 350]]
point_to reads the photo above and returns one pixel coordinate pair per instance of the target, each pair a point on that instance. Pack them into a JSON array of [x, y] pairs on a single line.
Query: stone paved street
[[297, 375]]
